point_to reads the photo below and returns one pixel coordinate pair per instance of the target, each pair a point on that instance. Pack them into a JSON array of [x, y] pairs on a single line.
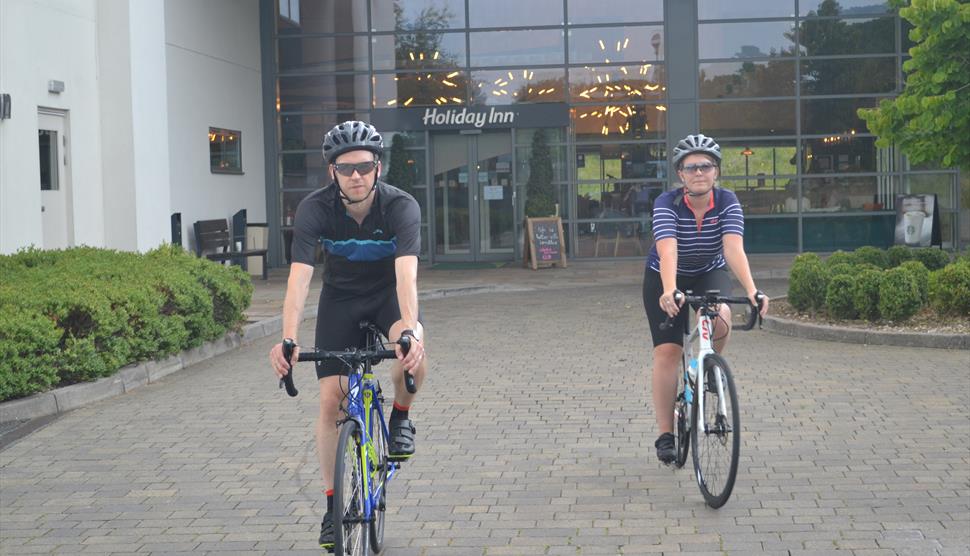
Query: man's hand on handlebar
[[414, 356], [279, 363]]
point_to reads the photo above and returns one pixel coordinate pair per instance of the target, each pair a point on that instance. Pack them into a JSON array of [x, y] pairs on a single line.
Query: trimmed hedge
[[83, 313], [859, 285]]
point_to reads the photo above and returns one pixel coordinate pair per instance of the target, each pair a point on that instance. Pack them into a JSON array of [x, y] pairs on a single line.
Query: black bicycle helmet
[[351, 136], [696, 144]]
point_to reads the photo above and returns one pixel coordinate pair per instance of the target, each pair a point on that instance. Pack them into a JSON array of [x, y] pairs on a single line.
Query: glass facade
[[776, 82]]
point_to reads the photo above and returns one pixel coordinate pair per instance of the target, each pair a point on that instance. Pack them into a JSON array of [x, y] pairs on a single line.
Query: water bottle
[[692, 369]]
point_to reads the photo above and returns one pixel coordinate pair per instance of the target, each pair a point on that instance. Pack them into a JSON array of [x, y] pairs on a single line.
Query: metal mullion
[[849, 56], [613, 25], [622, 142], [829, 175], [747, 59], [727, 138], [848, 95], [741, 99], [748, 20]]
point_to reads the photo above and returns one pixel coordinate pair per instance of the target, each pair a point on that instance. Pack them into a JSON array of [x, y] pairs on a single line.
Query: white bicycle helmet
[[696, 144], [351, 136]]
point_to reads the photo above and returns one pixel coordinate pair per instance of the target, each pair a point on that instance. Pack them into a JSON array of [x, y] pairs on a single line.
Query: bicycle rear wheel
[[348, 494], [716, 450], [379, 465], [682, 421]]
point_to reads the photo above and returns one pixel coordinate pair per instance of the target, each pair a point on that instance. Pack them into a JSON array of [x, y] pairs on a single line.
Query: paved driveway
[[535, 437]]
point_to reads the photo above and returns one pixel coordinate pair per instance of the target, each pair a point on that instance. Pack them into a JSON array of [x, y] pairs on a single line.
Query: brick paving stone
[[535, 436]]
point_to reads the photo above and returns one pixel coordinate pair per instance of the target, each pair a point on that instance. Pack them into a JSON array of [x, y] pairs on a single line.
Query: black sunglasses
[[362, 168]]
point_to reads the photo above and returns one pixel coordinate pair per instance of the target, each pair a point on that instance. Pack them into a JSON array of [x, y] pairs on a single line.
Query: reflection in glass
[[622, 212], [403, 167], [494, 192], [832, 232], [323, 92], [820, 37], [451, 197], [747, 79], [834, 116], [523, 135], [496, 13], [634, 83], [514, 48], [852, 76], [314, 16], [748, 118], [767, 234], [291, 199], [940, 185], [306, 131], [719, 9], [614, 11], [523, 162], [303, 170], [759, 196], [407, 15], [344, 53], [603, 45], [848, 193], [621, 161], [518, 85], [619, 121], [845, 153], [746, 40], [419, 50], [812, 8], [759, 161], [403, 90]]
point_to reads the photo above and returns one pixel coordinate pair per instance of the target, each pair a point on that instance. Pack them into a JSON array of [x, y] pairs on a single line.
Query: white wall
[[214, 79], [41, 40]]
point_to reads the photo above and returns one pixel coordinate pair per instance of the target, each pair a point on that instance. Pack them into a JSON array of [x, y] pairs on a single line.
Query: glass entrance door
[[474, 203]]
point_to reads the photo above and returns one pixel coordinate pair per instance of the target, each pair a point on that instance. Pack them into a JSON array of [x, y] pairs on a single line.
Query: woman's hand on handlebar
[[279, 363], [754, 297], [669, 304]]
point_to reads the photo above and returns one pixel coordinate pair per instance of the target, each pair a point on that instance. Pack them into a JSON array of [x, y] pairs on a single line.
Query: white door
[[55, 196]]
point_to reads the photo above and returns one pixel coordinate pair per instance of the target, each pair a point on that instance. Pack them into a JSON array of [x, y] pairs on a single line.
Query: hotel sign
[[471, 117]]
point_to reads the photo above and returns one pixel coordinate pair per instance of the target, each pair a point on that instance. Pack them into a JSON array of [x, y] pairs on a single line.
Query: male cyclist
[[698, 230], [369, 232]]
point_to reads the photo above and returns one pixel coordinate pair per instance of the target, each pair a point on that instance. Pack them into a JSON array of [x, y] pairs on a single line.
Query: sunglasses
[[362, 168], [691, 168]]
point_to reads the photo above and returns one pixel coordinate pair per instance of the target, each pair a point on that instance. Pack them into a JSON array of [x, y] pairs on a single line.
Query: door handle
[[42, 208]]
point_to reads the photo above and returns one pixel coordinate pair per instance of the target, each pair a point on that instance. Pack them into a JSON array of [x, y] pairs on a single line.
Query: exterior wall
[[213, 79], [41, 40]]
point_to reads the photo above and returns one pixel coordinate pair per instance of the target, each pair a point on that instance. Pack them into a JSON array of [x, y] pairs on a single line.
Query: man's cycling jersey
[[699, 248], [359, 259]]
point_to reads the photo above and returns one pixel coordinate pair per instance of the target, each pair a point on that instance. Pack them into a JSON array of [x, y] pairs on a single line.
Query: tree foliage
[[540, 196], [400, 174], [930, 120]]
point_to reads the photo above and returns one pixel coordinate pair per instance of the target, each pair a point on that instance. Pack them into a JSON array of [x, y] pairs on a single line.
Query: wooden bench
[[213, 235]]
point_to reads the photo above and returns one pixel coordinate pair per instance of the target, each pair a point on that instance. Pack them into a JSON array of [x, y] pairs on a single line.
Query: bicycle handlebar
[[712, 298], [353, 356]]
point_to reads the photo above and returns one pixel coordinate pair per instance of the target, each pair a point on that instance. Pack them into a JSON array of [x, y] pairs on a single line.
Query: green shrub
[[104, 309], [872, 255], [865, 293], [949, 289], [898, 254], [922, 276], [807, 283], [838, 297], [931, 257], [842, 269], [899, 296], [841, 257]]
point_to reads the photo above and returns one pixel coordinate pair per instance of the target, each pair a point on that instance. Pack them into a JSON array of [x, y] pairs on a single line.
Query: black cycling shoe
[[401, 445], [666, 452], [326, 532]]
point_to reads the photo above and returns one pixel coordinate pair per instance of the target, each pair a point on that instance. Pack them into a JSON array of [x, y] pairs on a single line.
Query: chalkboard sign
[[544, 242]]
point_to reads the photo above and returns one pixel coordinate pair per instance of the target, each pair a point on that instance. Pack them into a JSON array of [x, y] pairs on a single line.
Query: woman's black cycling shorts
[[717, 279]]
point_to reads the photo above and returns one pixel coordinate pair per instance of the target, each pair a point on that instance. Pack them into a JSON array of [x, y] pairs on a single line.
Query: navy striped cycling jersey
[[359, 258], [700, 249]]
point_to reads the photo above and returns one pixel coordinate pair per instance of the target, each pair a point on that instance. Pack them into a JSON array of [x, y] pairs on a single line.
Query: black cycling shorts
[[717, 279], [338, 322]]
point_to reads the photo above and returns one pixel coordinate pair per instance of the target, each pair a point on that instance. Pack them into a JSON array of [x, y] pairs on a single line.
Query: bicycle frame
[[703, 333], [362, 390]]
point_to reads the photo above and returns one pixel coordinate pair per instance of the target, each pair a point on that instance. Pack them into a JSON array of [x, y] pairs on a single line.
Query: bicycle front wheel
[[379, 465], [682, 420], [718, 446], [348, 494]]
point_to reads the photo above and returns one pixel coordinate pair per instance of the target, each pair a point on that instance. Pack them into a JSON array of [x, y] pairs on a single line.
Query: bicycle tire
[[716, 454], [380, 467], [681, 423], [350, 537]]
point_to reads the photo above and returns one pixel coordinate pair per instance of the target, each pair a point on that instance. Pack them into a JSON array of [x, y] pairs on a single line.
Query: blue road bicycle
[[363, 467], [706, 413]]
